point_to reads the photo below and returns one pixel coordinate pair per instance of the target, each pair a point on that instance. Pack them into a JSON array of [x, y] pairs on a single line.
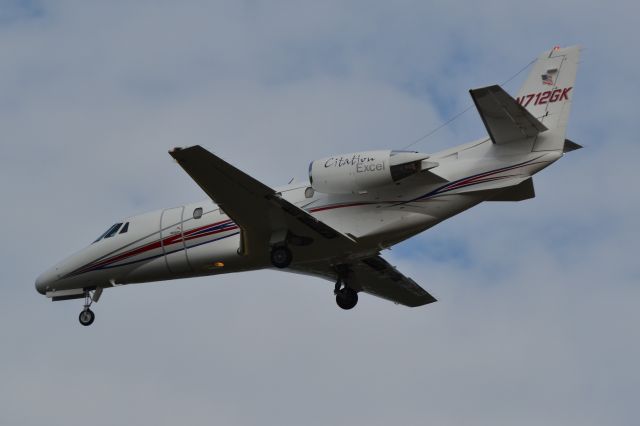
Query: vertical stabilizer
[[548, 92]]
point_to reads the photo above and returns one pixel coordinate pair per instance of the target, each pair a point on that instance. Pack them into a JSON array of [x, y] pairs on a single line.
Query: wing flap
[[375, 276], [504, 118]]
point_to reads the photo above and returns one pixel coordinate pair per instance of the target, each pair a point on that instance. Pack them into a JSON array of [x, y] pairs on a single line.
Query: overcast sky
[[537, 318]]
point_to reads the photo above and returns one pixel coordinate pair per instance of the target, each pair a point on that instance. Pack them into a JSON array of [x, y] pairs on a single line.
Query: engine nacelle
[[362, 171]]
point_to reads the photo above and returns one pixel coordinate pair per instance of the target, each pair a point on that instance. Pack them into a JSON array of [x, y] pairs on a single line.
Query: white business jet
[[353, 206]]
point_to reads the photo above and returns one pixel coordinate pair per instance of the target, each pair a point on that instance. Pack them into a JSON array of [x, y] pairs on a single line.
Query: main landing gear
[[87, 316], [281, 256], [346, 297]]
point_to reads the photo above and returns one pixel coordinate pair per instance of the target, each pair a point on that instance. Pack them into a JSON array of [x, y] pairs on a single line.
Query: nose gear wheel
[[86, 317]]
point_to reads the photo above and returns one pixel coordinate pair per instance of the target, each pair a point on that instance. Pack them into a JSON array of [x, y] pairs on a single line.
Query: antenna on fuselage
[[456, 116]]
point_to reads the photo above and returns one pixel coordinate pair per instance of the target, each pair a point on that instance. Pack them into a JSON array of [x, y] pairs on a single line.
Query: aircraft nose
[[44, 281]]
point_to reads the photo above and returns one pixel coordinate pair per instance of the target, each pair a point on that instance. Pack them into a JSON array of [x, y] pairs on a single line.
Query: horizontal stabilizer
[[570, 146], [520, 192], [505, 119]]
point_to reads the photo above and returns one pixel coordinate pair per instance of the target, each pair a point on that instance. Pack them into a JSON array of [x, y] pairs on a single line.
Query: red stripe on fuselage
[[147, 247], [338, 206], [188, 236]]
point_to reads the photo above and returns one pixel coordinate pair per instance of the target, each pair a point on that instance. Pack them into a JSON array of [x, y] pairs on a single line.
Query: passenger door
[[172, 240]]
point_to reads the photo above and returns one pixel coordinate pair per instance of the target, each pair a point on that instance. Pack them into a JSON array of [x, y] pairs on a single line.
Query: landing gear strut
[[346, 297], [87, 316]]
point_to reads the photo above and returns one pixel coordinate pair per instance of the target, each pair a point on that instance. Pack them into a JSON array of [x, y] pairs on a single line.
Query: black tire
[[86, 317], [281, 257], [347, 298]]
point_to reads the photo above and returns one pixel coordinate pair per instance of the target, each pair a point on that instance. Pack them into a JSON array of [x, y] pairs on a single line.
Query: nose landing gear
[[87, 316]]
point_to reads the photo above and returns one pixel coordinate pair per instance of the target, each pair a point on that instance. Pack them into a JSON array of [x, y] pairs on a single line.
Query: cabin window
[[125, 228], [308, 193], [197, 213]]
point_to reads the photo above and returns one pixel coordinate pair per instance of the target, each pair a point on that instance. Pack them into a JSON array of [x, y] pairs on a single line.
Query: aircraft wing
[[505, 119], [375, 276], [257, 209]]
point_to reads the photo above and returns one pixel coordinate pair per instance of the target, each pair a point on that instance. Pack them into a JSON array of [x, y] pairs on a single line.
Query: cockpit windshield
[[109, 232]]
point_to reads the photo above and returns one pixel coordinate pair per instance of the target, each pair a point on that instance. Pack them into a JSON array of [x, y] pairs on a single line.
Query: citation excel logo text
[[361, 163], [548, 97]]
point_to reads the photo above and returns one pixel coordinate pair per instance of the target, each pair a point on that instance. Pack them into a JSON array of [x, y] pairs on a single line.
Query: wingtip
[[174, 152]]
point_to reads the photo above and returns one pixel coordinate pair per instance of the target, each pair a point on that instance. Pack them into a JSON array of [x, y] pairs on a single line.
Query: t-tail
[[536, 120]]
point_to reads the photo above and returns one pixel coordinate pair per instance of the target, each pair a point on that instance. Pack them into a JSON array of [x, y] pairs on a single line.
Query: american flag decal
[[547, 78]]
